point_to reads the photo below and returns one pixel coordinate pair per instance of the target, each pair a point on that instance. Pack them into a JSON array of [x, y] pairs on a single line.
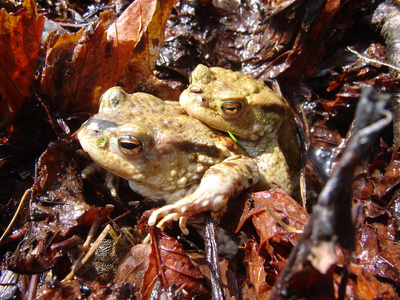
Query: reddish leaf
[[153, 16], [72, 289], [20, 36], [134, 265], [377, 251], [282, 206], [366, 286], [75, 70], [391, 179], [383, 180], [59, 291], [256, 273], [141, 268], [169, 264], [81, 66], [230, 278]]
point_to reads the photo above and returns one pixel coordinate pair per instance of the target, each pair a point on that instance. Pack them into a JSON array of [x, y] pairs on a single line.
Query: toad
[[166, 155], [259, 118]]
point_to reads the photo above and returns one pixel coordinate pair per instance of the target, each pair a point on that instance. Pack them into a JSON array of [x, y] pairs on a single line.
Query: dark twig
[[212, 258], [331, 223]]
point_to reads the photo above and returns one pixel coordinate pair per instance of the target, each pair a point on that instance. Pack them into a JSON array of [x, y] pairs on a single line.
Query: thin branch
[[83, 257], [20, 205], [371, 60]]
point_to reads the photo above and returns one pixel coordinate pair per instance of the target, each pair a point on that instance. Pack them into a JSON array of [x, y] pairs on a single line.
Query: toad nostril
[[201, 100]]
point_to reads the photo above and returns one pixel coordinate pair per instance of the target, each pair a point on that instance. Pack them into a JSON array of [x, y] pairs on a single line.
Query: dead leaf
[[170, 265], [282, 206], [58, 208], [368, 287], [134, 265], [72, 289], [20, 40], [256, 272], [377, 251], [229, 273], [149, 38], [81, 66], [58, 291]]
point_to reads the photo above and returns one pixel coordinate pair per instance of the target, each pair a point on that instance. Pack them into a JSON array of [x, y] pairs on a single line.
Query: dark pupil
[[232, 107], [129, 145]]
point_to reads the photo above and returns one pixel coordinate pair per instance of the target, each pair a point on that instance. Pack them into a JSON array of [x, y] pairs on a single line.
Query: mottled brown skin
[[166, 155], [259, 118]]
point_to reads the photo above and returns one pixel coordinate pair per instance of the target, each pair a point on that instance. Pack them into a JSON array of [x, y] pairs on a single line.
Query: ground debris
[[58, 57]]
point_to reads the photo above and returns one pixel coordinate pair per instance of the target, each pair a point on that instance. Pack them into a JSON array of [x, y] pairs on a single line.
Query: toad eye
[[231, 109], [130, 145]]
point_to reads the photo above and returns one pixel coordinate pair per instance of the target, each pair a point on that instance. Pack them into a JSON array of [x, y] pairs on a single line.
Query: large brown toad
[[166, 155], [259, 118]]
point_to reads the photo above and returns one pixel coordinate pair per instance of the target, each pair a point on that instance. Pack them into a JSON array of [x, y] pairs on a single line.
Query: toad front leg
[[220, 183]]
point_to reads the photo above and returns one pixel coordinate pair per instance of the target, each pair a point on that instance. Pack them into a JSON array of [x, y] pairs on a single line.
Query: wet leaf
[[169, 264], [301, 45], [230, 277], [278, 221], [267, 209], [256, 272], [81, 66], [72, 289], [159, 267], [377, 251], [19, 48], [58, 208], [368, 287]]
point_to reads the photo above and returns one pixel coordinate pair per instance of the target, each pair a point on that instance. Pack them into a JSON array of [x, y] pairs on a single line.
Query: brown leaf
[[19, 47], [368, 287], [165, 262], [391, 179], [57, 291], [378, 251], [58, 189], [153, 16], [282, 206], [134, 265], [71, 289], [229, 273], [58, 208], [256, 272], [81, 66], [169, 264]]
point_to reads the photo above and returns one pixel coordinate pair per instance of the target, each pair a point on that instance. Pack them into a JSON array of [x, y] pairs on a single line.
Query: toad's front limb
[[220, 183]]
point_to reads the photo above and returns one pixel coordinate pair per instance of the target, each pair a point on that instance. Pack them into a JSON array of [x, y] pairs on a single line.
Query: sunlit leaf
[[152, 16], [20, 37], [81, 66], [259, 209]]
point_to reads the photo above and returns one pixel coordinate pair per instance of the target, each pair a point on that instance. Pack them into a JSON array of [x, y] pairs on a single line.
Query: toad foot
[[220, 183]]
